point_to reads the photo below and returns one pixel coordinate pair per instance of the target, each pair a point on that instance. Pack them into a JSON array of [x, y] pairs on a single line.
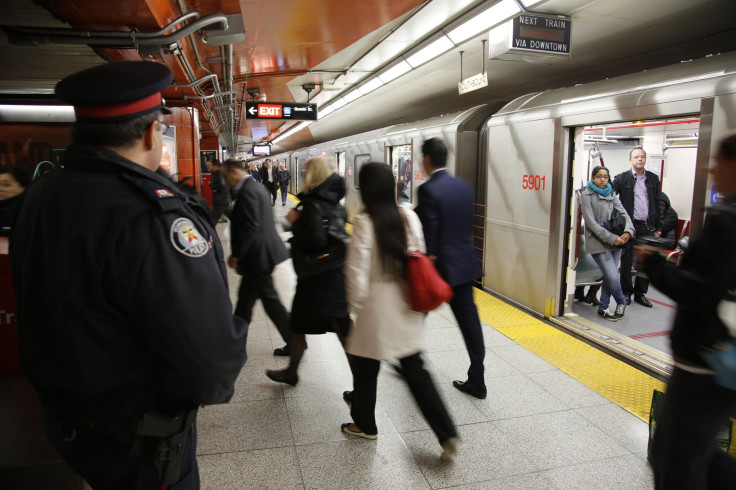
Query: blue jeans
[[608, 264]]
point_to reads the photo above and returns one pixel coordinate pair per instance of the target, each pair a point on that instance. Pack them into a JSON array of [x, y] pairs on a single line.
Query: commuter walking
[[13, 183], [220, 192], [598, 203], [639, 192], [319, 302], [445, 208], [125, 324], [255, 172], [284, 180], [385, 326], [696, 408], [256, 249], [270, 180]]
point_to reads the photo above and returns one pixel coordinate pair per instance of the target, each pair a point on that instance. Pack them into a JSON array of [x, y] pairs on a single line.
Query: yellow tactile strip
[[624, 385]]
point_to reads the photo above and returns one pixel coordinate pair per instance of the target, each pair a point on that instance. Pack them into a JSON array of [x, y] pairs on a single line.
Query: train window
[[340, 156], [360, 160], [401, 164]]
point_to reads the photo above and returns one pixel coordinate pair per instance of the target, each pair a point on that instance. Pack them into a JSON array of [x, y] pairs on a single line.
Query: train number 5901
[[534, 182]]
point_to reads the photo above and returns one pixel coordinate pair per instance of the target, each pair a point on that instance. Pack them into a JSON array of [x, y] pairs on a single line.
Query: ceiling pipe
[[197, 82], [207, 97], [36, 36], [183, 9]]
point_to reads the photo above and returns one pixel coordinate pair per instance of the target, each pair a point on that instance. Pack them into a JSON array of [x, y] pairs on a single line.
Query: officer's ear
[[149, 136]]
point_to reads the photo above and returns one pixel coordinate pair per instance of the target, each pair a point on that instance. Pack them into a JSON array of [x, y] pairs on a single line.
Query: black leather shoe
[[282, 351], [348, 396], [642, 300], [281, 377], [470, 389], [628, 300]]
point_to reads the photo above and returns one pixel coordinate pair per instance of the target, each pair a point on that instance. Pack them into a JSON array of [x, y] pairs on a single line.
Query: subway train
[[527, 158]]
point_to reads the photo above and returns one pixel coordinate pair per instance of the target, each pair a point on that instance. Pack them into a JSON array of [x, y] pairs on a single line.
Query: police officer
[[125, 323]]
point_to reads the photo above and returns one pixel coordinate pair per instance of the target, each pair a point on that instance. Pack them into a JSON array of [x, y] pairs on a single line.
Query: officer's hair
[[436, 150], [637, 148], [727, 147], [120, 134]]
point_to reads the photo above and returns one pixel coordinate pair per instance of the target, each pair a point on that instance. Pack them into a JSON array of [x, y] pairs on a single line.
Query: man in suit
[[270, 180], [256, 250], [284, 179], [639, 191], [445, 207], [220, 192]]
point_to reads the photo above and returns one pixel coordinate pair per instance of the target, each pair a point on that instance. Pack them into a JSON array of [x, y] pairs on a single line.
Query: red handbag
[[427, 289]]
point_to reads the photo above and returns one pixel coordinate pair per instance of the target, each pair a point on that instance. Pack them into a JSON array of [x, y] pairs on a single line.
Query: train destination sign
[[530, 36], [281, 110], [473, 83]]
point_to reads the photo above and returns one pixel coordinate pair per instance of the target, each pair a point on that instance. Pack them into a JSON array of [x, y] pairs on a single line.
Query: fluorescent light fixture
[[323, 111], [352, 95], [484, 21], [430, 51], [531, 3], [338, 103], [370, 86], [395, 71]]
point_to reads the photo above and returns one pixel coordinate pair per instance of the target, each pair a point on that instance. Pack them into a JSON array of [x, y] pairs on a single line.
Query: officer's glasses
[[164, 127]]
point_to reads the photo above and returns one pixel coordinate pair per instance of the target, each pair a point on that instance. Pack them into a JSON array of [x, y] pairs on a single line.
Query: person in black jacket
[[639, 191], [125, 324], [220, 192], [684, 452], [284, 180], [256, 249], [669, 221], [270, 179], [320, 304]]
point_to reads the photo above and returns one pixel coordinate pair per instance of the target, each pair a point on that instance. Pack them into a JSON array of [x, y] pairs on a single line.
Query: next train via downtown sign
[[281, 110]]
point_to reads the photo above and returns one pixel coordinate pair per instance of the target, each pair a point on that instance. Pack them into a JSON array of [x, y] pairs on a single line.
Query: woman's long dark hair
[[377, 188]]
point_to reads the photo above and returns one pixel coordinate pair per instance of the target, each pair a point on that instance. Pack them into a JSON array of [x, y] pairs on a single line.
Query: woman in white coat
[[385, 326]]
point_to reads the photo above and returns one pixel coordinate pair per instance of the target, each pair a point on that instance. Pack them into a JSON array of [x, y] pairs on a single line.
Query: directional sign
[[281, 110]]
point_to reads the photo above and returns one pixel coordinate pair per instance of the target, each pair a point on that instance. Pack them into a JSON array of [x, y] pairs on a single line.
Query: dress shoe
[[628, 300], [348, 396], [449, 447], [470, 389], [282, 377], [282, 351], [591, 299], [642, 300]]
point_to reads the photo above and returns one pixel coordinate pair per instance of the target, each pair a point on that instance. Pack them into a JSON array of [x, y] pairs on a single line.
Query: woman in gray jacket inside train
[[598, 202]]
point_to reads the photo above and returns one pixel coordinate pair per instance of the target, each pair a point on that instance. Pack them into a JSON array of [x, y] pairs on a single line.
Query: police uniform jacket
[[623, 185], [122, 296], [707, 272]]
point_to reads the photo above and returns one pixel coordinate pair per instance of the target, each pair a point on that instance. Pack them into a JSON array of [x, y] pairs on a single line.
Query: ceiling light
[[323, 111], [338, 103], [430, 51], [369, 87], [351, 96], [484, 21], [395, 72]]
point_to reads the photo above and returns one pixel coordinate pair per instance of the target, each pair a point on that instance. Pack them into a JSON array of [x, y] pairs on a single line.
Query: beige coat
[[385, 326]]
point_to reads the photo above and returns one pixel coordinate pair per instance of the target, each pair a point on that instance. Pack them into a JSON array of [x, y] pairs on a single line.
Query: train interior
[[671, 146]]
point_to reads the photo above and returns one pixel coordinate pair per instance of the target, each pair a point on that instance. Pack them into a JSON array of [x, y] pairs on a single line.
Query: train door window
[[401, 164], [671, 150], [340, 156]]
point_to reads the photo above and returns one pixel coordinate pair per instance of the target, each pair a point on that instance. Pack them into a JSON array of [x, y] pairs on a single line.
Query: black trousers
[[466, 314], [260, 285], [273, 189], [108, 465], [217, 211], [641, 285], [365, 380], [684, 452]]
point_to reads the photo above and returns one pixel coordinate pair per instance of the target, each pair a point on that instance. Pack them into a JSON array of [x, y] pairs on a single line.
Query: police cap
[[116, 91]]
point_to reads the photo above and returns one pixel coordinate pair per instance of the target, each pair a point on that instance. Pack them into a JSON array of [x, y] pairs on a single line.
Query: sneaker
[[607, 316], [619, 313], [449, 448]]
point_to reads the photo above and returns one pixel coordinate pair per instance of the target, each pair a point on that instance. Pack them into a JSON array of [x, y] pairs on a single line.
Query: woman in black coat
[[319, 302]]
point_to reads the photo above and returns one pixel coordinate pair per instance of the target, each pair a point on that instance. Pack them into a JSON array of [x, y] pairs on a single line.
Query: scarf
[[603, 192]]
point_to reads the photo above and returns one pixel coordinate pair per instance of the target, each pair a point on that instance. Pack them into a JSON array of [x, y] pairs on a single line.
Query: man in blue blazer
[[256, 250], [445, 207]]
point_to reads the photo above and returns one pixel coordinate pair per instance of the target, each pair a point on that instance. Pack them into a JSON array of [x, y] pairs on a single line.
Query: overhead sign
[[281, 110], [532, 37], [261, 150], [473, 83]]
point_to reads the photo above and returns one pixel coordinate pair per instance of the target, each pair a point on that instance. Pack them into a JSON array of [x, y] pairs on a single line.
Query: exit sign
[[281, 110]]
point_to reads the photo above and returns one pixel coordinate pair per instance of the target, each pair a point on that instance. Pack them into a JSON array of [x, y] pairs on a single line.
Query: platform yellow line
[[620, 383]]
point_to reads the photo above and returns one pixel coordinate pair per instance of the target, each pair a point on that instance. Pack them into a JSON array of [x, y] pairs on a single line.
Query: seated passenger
[[385, 326], [13, 182], [598, 203], [669, 221]]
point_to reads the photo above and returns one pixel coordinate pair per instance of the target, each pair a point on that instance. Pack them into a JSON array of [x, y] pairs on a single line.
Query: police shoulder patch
[[186, 238]]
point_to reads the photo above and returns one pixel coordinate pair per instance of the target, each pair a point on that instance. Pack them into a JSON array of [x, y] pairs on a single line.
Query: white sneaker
[[619, 313]]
